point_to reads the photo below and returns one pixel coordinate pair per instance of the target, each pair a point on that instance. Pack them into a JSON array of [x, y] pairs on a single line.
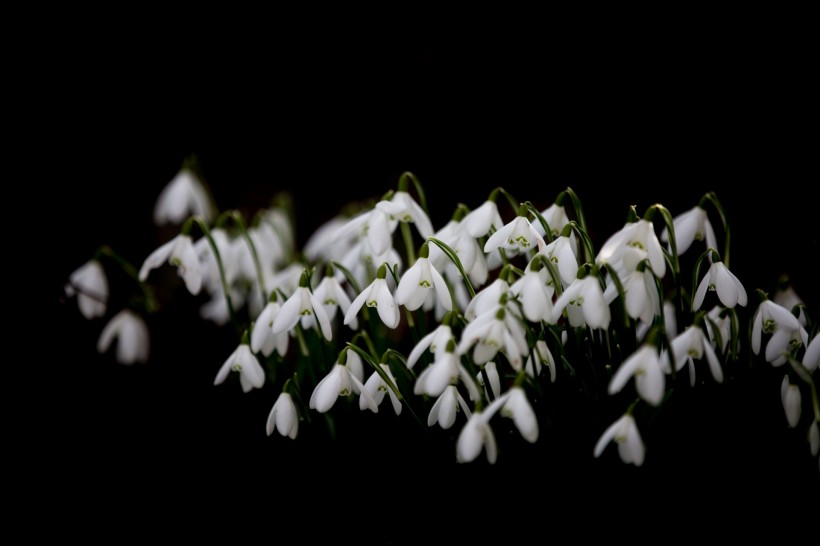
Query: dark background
[[627, 125]]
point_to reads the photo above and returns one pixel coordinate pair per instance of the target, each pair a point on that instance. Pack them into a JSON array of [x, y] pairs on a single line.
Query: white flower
[[495, 380], [723, 331], [416, 285], [251, 374], [211, 279], [790, 396], [377, 388], [492, 332], [562, 256], [814, 438], [556, 217], [262, 338], [435, 341], [626, 435], [516, 237], [324, 245], [640, 295], [786, 297], [587, 296], [728, 287], [519, 409], [178, 252], [340, 382], [132, 337], [542, 356], [302, 305], [487, 298], [466, 248], [445, 370], [283, 416], [812, 357], [91, 286], [633, 243], [446, 406], [403, 207], [689, 226], [535, 293], [372, 226], [477, 223], [692, 344], [182, 196], [334, 297], [477, 434], [644, 365], [377, 295], [771, 318]]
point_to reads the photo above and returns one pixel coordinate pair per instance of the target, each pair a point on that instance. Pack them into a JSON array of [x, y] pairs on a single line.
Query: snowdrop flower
[[640, 295], [466, 248], [324, 245], [305, 306], [771, 318], [561, 254], [251, 374], [556, 217], [632, 244], [477, 434], [182, 196], [211, 279], [340, 382], [178, 252], [542, 356], [495, 380], [690, 226], [283, 417], [446, 406], [216, 309], [723, 330], [492, 332], [435, 342], [131, 333], [785, 296], [90, 285], [487, 298], [535, 292], [516, 237], [445, 370], [333, 297], [812, 357], [373, 226], [728, 287], [790, 396], [645, 367], [626, 435], [417, 284], [262, 338], [692, 344], [376, 387], [814, 438], [519, 409], [403, 207], [477, 223], [584, 301], [377, 295]]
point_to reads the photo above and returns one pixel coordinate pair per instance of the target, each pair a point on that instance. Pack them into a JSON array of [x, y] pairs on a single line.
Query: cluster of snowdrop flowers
[[467, 329]]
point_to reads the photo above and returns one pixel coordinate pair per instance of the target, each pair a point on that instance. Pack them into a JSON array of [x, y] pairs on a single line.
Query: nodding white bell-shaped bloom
[[583, 295], [633, 243], [640, 295], [477, 434], [786, 297], [562, 256], [446, 406], [435, 342], [211, 277], [814, 438], [333, 298], [184, 195], [535, 291], [377, 388], [262, 338], [377, 295], [556, 217], [790, 396], [340, 382], [445, 370], [90, 285], [519, 409], [812, 357], [625, 433], [305, 306], [477, 223], [466, 248], [787, 331], [516, 237], [728, 287], [242, 360], [178, 252], [283, 417], [644, 366], [131, 333], [692, 225], [690, 345], [495, 380], [492, 332], [216, 309], [542, 356], [373, 227], [487, 298], [420, 282], [719, 329], [324, 246], [671, 323], [403, 207]]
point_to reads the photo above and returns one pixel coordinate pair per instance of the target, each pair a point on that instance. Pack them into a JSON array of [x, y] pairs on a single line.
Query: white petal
[[289, 313], [386, 305], [626, 371], [326, 392], [223, 372], [321, 317], [442, 291], [499, 238], [606, 437], [157, 258], [420, 348], [702, 288], [812, 356]]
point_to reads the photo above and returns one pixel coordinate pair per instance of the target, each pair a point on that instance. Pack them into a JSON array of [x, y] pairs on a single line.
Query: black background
[[623, 125]]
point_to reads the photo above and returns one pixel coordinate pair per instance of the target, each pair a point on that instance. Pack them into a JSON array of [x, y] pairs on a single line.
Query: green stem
[[203, 225], [236, 216], [131, 271], [407, 237], [712, 198], [454, 258], [804, 374]]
